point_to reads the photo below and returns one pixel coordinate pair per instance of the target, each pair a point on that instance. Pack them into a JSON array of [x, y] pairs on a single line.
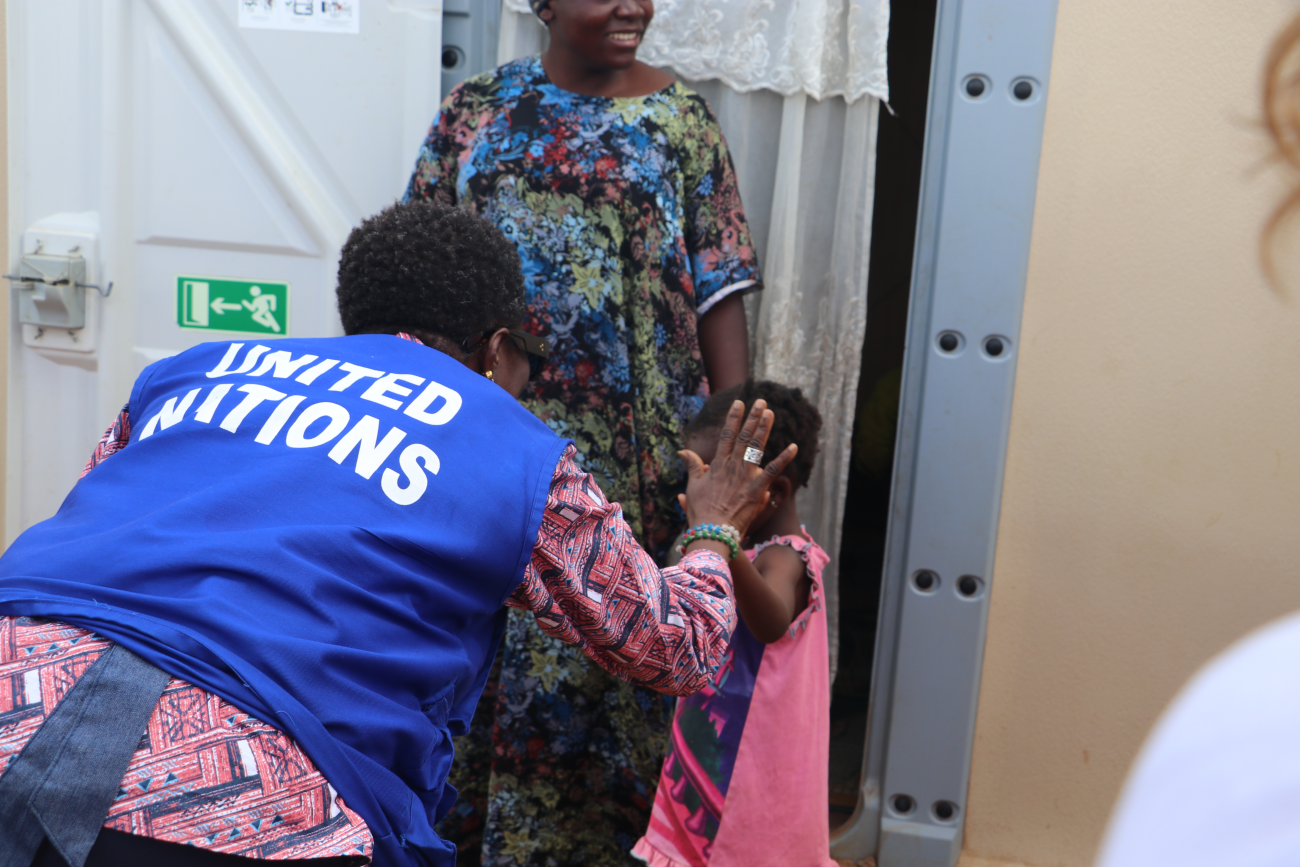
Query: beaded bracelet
[[724, 533], [731, 532]]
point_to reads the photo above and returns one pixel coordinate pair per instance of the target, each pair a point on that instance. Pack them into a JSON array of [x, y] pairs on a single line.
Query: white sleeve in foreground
[[1217, 782]]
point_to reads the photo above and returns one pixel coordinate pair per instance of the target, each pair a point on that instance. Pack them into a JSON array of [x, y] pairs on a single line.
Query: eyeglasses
[[538, 349]]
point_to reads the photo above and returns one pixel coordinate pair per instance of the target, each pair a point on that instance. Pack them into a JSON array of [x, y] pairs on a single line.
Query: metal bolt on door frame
[[984, 130]]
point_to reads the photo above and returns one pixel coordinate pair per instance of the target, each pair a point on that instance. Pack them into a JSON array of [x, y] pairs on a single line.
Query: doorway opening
[[899, 148]]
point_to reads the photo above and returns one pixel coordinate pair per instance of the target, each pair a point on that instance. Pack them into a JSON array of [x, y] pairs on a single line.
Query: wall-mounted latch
[[52, 288], [58, 262]]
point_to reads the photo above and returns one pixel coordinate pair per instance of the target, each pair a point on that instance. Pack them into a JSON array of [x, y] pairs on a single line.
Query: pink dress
[[745, 780]]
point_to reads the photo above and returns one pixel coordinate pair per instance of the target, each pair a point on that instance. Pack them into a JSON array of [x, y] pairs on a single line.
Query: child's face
[[705, 444]]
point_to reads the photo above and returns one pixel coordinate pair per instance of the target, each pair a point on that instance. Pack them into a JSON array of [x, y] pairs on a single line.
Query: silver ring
[[754, 456]]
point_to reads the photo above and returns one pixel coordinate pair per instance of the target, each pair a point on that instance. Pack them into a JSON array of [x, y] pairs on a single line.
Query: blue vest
[[322, 532]]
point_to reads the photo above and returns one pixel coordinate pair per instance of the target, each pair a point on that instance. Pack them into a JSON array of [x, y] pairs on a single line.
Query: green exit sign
[[221, 304]]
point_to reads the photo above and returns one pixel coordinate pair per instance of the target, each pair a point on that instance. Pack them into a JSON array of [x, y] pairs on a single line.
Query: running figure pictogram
[[262, 308]]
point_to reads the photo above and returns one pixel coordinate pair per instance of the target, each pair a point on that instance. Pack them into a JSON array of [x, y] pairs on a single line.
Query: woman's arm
[[113, 441], [591, 584], [434, 176], [724, 343], [724, 265]]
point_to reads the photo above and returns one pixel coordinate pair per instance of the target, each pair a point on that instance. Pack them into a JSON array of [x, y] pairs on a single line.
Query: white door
[[164, 139]]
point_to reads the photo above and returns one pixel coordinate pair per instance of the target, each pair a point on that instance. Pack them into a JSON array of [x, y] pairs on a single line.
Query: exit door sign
[[220, 304]]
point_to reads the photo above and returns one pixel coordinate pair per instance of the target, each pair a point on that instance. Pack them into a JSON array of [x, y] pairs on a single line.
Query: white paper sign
[[311, 16]]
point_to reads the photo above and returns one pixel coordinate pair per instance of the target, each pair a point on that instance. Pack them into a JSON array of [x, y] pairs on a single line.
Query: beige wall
[[1151, 511]]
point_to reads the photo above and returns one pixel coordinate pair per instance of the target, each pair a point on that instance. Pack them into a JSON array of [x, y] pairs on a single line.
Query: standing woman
[[617, 188]]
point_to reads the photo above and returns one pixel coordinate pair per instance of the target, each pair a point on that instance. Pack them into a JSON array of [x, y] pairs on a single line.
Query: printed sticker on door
[[221, 304], [312, 16]]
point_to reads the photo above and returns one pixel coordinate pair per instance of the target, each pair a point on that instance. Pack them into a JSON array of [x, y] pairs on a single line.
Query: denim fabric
[[64, 781]]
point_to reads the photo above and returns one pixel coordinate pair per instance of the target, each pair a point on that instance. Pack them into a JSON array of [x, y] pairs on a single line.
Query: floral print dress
[[629, 226]]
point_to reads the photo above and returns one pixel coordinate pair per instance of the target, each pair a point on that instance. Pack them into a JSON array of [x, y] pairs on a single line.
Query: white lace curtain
[[796, 85], [822, 48]]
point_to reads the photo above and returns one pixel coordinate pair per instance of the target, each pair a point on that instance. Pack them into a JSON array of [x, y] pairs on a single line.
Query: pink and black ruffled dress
[[745, 780]]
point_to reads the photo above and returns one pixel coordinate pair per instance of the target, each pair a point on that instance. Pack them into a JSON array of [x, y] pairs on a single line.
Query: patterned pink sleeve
[[112, 442], [591, 584]]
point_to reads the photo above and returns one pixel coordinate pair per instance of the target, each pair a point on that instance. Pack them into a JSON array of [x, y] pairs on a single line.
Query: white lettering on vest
[[279, 416], [297, 437], [435, 404], [170, 413], [388, 384], [445, 413], [354, 373], [284, 367], [410, 462], [211, 403], [224, 366], [363, 437], [256, 394], [250, 359], [309, 375]]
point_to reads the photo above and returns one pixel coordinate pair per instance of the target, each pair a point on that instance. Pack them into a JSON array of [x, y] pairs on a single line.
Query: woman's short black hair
[[429, 269], [797, 421]]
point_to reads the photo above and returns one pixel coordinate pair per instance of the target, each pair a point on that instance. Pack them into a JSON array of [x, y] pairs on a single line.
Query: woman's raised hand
[[732, 490]]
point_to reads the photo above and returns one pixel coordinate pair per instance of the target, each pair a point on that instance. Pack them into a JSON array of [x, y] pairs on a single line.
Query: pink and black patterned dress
[[745, 781]]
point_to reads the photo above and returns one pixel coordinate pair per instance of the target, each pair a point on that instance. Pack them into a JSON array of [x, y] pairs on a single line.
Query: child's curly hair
[[797, 421]]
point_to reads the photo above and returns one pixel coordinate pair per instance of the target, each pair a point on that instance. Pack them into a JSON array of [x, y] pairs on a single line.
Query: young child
[[745, 780]]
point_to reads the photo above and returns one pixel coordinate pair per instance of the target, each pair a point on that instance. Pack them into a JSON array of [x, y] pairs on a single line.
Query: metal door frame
[[978, 185]]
